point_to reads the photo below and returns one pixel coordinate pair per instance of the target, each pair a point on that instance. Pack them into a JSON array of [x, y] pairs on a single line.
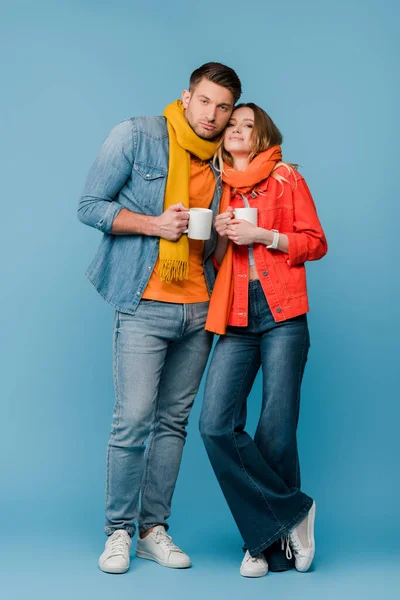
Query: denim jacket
[[130, 172]]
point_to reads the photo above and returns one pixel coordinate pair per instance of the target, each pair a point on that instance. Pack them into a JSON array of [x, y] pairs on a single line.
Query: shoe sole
[[244, 574], [115, 570], [163, 563], [310, 533]]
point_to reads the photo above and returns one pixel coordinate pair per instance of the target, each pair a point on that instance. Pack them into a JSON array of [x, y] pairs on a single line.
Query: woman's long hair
[[264, 135]]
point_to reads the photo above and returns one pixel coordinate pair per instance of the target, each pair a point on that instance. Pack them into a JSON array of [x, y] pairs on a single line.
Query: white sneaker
[[302, 541], [158, 546], [254, 566], [115, 558]]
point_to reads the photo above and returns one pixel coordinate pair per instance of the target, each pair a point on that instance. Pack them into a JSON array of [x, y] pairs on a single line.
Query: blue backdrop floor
[[61, 567]]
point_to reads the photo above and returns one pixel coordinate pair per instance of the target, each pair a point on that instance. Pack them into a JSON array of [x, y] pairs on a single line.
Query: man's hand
[[242, 232], [173, 222], [222, 221]]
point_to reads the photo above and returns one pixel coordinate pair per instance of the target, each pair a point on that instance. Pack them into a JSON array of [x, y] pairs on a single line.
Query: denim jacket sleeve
[[99, 206]]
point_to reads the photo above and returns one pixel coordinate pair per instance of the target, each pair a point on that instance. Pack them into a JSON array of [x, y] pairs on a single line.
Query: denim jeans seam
[[237, 449], [107, 474], [145, 480], [116, 381], [284, 529], [300, 374], [185, 321], [117, 400]]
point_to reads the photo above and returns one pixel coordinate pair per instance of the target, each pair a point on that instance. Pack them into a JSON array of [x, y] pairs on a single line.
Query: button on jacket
[[130, 172], [288, 207]]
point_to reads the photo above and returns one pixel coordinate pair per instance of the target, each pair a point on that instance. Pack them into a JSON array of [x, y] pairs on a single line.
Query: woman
[[259, 307]]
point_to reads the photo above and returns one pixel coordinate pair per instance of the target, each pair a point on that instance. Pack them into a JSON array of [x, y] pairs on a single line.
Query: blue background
[[328, 74]]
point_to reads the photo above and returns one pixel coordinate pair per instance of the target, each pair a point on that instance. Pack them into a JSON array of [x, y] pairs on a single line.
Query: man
[[149, 172]]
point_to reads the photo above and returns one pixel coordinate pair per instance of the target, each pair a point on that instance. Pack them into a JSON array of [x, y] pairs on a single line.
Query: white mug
[[246, 214], [200, 221]]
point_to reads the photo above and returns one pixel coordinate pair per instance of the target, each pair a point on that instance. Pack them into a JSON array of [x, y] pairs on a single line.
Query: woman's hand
[[222, 221], [241, 232]]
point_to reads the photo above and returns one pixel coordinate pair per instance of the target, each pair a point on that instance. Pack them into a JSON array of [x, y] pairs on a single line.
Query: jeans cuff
[[110, 530], [147, 526], [284, 530]]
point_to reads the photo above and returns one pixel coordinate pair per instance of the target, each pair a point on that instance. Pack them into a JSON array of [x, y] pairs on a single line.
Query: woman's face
[[237, 136]]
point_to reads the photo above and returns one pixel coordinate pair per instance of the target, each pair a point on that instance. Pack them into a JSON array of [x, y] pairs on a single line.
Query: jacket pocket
[[277, 217], [293, 279], [148, 183]]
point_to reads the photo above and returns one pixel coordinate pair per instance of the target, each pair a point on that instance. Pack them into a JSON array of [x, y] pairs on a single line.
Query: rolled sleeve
[[308, 241], [106, 221], [98, 205], [298, 249]]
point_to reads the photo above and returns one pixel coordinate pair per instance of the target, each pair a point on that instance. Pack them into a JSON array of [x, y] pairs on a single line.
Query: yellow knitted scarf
[[174, 256]]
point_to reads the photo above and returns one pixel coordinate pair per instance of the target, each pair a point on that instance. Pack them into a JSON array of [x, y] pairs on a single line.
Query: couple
[[204, 152]]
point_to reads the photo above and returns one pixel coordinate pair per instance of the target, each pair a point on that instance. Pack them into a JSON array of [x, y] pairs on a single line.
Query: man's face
[[208, 108]]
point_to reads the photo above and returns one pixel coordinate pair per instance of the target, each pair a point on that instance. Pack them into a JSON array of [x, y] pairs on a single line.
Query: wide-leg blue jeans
[[259, 477]]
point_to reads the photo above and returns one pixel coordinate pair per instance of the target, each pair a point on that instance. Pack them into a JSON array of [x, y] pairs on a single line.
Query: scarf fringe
[[170, 269]]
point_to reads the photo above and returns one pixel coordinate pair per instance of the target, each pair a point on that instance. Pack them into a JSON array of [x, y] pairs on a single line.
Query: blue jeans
[[160, 354], [260, 478]]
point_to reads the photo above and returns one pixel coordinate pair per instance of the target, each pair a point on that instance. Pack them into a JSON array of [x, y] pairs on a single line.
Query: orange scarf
[[259, 169]]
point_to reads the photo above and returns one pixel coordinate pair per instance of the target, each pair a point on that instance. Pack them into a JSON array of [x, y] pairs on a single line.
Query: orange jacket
[[290, 210]]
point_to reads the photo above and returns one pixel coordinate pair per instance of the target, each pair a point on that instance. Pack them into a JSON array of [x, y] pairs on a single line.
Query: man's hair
[[219, 74]]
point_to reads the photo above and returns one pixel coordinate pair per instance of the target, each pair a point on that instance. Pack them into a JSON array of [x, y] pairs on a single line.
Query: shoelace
[[118, 545], [292, 542], [253, 559], [295, 542], [285, 540], [166, 542]]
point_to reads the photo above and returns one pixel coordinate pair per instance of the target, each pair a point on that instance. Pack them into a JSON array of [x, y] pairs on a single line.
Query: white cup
[[246, 214], [200, 221]]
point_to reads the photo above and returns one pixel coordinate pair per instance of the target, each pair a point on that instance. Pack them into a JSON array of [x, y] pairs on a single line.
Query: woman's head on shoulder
[[249, 132], [254, 126]]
